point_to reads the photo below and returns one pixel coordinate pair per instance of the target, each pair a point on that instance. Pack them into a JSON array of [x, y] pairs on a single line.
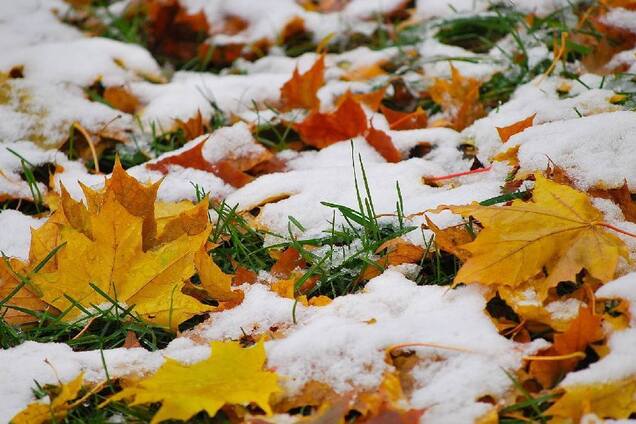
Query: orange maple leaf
[[121, 99], [405, 120], [506, 132], [586, 328], [227, 170], [459, 97], [301, 90], [383, 144], [323, 129], [193, 127], [289, 260]]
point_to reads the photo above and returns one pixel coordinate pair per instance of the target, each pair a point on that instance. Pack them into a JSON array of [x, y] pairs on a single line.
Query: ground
[[318, 211]]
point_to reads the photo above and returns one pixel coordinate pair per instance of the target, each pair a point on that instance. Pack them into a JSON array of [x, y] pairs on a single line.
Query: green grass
[[477, 33]]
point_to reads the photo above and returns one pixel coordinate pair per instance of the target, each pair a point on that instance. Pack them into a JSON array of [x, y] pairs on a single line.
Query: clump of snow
[[231, 143], [623, 288], [394, 310], [619, 364], [17, 245], [82, 62], [593, 150], [45, 363], [190, 92], [544, 101], [43, 112], [260, 310], [620, 18], [31, 22]]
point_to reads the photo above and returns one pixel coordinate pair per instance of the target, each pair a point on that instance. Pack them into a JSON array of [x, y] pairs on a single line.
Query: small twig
[[91, 144]]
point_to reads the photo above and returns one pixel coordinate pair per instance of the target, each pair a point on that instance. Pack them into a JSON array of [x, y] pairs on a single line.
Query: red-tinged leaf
[[405, 121], [230, 172], [382, 142], [301, 90], [372, 99], [506, 132], [323, 129], [121, 99], [288, 261], [193, 127], [586, 328], [227, 170], [459, 98], [243, 275], [191, 158], [622, 197]]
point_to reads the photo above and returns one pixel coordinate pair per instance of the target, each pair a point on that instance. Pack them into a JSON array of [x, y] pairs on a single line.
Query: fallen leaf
[[214, 281], [405, 120], [383, 144], [451, 238], [398, 251], [232, 375], [585, 329], [506, 132], [288, 261], [614, 399], [25, 296], [193, 127], [459, 98], [621, 196], [193, 158], [112, 256], [120, 98], [301, 90], [323, 129], [558, 230], [40, 413]]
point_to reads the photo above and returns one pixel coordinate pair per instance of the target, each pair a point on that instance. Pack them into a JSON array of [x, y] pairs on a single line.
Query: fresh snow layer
[[390, 310], [17, 244], [596, 150]]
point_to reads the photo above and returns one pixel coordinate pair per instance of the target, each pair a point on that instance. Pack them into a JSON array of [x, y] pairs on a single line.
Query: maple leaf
[[450, 239], [193, 127], [231, 375], [585, 329], [558, 230], [372, 99], [120, 98], [228, 170], [459, 97], [301, 90], [614, 399], [506, 132], [405, 120], [323, 129], [108, 248], [22, 294], [214, 281], [383, 144], [39, 413], [622, 197]]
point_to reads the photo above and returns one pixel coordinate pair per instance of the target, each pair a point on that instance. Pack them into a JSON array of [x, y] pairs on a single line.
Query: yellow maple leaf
[[38, 412], [231, 375], [558, 230], [615, 399], [112, 244], [17, 293]]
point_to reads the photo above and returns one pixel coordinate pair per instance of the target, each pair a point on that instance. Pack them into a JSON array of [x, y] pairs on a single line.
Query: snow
[[17, 245], [579, 153], [42, 112], [619, 364], [621, 18], [622, 288], [51, 363], [82, 62]]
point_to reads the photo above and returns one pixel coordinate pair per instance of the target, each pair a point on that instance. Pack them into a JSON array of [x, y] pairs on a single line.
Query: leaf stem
[[460, 174], [614, 228]]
